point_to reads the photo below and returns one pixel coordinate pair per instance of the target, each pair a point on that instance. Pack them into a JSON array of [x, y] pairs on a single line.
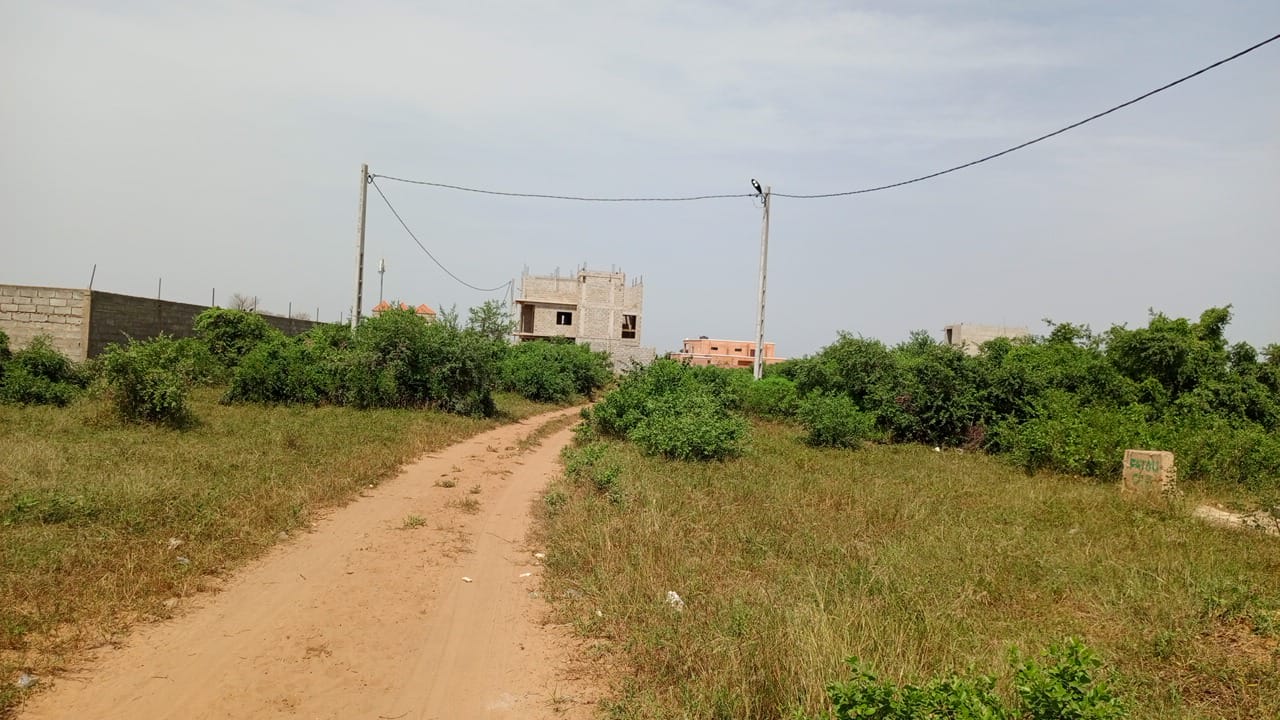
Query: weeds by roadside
[[792, 558]]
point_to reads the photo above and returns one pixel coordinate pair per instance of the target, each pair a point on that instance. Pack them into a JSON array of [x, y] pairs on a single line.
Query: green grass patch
[[792, 559], [101, 520]]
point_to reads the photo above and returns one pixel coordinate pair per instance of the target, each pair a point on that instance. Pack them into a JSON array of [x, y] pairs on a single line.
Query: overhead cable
[[844, 193], [1029, 143], [447, 271]]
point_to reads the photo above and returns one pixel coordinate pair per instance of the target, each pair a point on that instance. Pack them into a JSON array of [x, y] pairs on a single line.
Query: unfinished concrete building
[[594, 307], [970, 336]]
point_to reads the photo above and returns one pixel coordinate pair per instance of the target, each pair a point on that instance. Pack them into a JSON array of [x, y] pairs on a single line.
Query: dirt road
[[369, 616]]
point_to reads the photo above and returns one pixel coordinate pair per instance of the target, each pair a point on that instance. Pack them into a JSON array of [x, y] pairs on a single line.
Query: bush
[[19, 386], [231, 334], [834, 421], [554, 372], [689, 426], [618, 413], [280, 370], [5, 353], [1064, 436], [40, 375], [419, 363], [150, 380], [1065, 687], [201, 366], [774, 396]]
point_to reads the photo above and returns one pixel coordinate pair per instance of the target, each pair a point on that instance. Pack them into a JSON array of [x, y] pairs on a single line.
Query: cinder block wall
[[82, 323], [544, 320], [115, 318], [27, 312]]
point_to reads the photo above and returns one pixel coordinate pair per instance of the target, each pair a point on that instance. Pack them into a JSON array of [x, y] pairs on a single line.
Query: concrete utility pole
[[764, 261], [382, 270], [364, 195]]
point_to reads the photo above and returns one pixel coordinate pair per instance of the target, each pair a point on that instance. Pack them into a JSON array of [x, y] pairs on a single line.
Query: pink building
[[723, 353]]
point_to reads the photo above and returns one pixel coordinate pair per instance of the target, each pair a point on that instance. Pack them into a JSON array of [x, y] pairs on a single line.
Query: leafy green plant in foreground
[[1063, 686]]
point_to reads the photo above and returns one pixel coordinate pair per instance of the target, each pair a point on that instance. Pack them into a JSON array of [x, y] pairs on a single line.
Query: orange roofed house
[[723, 353], [424, 311]]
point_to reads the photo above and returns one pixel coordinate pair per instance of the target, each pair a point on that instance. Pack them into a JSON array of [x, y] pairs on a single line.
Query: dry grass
[[102, 521], [791, 559], [546, 430]]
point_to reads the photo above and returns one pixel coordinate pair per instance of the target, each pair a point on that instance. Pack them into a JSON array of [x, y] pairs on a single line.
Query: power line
[[404, 225], [860, 191], [540, 196], [1046, 136]]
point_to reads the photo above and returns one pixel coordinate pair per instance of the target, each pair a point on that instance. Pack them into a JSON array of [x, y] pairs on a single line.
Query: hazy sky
[[219, 145]]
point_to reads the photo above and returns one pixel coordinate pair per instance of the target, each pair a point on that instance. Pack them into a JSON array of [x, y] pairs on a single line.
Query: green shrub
[[280, 370], [330, 336], [1209, 447], [618, 413], [773, 396], [554, 372], [40, 375], [1064, 687], [359, 379], [867, 696], [231, 334], [5, 353], [834, 421], [200, 364], [729, 387], [436, 364], [19, 386], [150, 380], [689, 426], [1070, 438]]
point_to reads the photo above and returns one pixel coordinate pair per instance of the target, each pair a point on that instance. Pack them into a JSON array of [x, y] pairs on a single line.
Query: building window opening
[[949, 336], [564, 317], [714, 348], [628, 327]]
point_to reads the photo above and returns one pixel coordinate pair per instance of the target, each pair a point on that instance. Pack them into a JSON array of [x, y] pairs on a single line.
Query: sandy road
[[364, 617]]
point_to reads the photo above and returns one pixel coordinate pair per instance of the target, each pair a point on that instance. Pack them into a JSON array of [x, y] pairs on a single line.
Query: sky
[[216, 148]]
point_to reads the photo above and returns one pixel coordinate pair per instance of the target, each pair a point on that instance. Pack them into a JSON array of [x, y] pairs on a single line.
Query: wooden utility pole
[[764, 261], [364, 195]]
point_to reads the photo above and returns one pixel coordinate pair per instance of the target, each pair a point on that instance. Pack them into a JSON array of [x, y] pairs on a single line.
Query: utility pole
[[382, 270], [364, 195], [764, 261]]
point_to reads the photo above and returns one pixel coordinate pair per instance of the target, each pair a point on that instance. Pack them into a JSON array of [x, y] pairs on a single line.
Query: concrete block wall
[[27, 312], [970, 336], [544, 321], [115, 318], [549, 288], [623, 355]]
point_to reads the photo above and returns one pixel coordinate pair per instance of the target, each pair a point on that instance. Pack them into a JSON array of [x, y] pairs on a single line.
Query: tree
[[241, 302], [491, 319]]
